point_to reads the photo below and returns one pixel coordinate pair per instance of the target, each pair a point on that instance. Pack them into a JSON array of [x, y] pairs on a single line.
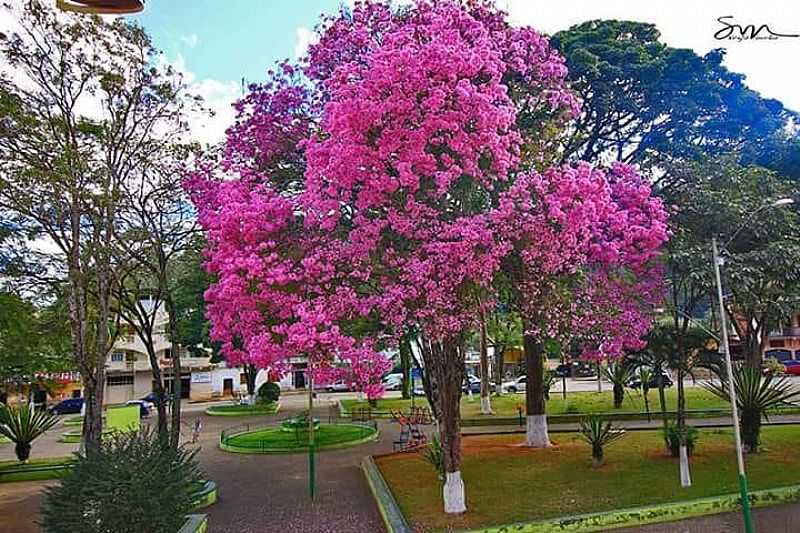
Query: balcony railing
[[791, 332]]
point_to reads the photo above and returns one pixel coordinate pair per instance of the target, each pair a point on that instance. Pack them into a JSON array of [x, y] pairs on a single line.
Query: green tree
[[91, 112], [645, 102], [22, 425]]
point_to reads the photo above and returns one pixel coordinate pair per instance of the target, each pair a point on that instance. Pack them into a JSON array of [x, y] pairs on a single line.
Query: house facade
[[784, 344]]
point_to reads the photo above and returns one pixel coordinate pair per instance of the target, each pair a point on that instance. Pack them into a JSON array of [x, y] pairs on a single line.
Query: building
[[784, 344], [129, 375]]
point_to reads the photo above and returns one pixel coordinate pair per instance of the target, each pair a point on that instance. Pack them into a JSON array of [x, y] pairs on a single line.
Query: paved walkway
[[260, 493]]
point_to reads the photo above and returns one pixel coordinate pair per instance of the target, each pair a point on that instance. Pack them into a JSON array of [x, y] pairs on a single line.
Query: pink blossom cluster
[[377, 186]]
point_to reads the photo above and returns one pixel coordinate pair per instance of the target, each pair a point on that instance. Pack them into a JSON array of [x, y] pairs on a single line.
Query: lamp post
[[311, 465], [746, 514]]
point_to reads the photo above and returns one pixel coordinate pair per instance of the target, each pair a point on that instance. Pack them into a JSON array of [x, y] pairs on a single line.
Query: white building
[[129, 375]]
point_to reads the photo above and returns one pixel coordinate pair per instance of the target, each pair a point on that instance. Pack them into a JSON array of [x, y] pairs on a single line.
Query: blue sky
[[229, 39], [218, 42]]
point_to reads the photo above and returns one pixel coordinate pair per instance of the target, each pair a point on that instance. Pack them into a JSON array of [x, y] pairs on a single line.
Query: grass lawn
[[506, 483], [243, 410], [276, 439], [576, 402]]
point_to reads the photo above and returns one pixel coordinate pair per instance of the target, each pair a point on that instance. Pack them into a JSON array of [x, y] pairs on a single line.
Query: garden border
[[393, 518], [209, 411], [206, 496], [396, 522], [195, 523], [339, 446], [36, 471]]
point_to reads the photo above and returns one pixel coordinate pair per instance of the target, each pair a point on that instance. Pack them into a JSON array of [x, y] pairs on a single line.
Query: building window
[[119, 380], [117, 357]]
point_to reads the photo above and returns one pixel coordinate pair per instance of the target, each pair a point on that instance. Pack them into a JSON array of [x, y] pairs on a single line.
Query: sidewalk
[[633, 425]]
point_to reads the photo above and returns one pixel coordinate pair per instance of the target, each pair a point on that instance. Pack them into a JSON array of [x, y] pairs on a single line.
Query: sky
[[217, 43]]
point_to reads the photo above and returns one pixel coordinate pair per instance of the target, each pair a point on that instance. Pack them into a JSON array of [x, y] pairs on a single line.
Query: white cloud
[[767, 64], [305, 38], [218, 97], [190, 40]]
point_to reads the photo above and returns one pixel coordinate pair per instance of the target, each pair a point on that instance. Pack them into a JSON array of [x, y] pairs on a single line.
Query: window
[[117, 357], [119, 380]]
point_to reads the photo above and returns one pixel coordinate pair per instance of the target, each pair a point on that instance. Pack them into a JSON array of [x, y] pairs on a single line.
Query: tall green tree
[[646, 102], [84, 109]]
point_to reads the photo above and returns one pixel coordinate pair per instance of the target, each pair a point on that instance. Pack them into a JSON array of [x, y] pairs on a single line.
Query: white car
[[515, 385]]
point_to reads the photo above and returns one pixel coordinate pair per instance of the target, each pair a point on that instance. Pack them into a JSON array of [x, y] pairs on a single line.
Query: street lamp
[[748, 521]]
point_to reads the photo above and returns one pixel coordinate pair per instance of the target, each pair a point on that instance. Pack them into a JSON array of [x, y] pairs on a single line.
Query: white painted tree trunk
[[250, 399], [686, 476], [453, 493], [486, 405], [536, 432]]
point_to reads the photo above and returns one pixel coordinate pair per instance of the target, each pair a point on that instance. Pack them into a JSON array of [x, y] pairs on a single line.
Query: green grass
[[34, 469], [576, 402], [506, 483], [328, 435], [243, 410]]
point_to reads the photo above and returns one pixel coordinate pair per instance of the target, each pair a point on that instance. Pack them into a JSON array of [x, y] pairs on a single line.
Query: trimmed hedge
[[34, 470], [243, 410]]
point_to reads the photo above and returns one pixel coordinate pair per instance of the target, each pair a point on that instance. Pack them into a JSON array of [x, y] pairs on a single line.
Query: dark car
[[636, 383], [68, 406], [563, 371], [153, 396]]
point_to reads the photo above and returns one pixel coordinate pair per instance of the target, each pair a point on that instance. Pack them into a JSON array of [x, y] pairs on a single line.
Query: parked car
[[636, 383], [337, 386], [563, 370], [152, 397], [68, 406], [515, 385], [144, 407], [393, 384], [419, 390], [472, 383], [792, 367]]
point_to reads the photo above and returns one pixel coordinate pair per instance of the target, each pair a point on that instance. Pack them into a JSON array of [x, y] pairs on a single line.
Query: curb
[[195, 523], [34, 472], [392, 516], [276, 451], [210, 412], [650, 514], [206, 496]]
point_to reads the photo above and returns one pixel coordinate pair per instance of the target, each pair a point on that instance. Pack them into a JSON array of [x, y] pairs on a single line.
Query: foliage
[[22, 425], [618, 373], [268, 392], [433, 453], [644, 101], [756, 394], [599, 434], [112, 488], [672, 435], [773, 366]]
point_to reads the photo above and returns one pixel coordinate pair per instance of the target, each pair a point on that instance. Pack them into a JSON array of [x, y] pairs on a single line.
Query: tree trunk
[[619, 395], [686, 478], [751, 429], [499, 363], [444, 364], [662, 400], [177, 386], [23, 451], [536, 425], [158, 389], [486, 403], [405, 366], [250, 374]]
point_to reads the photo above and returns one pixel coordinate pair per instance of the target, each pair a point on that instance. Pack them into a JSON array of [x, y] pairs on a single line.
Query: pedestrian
[[196, 427]]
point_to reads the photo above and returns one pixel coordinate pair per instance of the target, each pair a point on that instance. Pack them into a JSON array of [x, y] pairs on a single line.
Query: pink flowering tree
[[381, 187]]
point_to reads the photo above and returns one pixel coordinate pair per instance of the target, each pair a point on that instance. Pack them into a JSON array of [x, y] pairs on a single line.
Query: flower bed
[[274, 439], [243, 410]]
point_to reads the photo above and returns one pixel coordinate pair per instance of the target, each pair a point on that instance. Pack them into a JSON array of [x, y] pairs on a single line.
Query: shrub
[[672, 436], [133, 482], [773, 366], [599, 434], [756, 394], [22, 425], [572, 409], [434, 454], [269, 392]]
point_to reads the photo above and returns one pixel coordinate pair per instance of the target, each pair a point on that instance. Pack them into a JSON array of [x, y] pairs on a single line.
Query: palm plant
[[618, 373], [756, 394], [22, 425], [599, 434]]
